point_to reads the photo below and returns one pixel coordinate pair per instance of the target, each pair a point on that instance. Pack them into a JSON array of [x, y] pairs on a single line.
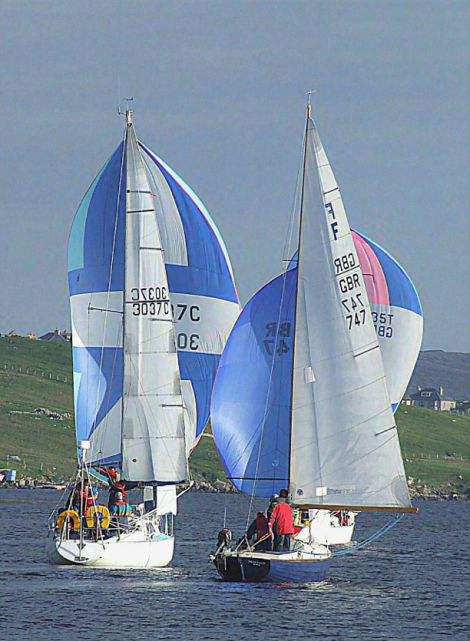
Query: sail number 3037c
[[154, 301]]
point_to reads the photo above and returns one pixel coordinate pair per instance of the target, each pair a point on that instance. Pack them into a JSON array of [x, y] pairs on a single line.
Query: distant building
[[432, 399], [56, 335], [31, 336], [406, 400], [12, 334]]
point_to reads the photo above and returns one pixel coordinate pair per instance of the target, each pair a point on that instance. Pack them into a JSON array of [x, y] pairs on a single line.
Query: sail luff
[[345, 446], [153, 434], [296, 315]]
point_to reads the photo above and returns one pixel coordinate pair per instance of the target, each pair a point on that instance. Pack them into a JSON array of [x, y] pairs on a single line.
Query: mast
[[299, 238], [129, 118]]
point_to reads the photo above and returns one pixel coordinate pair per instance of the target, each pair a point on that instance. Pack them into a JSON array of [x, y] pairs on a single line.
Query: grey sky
[[219, 93]]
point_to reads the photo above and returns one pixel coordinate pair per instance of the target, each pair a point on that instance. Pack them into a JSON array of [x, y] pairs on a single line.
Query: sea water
[[411, 584]]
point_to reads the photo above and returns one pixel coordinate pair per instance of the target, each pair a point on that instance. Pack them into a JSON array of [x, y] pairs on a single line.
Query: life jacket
[[83, 497]]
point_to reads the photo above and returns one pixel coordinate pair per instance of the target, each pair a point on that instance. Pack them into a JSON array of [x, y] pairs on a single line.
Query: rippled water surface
[[412, 584]]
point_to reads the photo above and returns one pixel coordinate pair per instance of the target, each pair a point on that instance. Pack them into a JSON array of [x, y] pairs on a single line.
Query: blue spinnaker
[[202, 293]]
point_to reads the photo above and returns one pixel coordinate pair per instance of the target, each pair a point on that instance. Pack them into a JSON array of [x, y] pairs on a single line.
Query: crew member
[[258, 530], [118, 502], [83, 497], [272, 504], [282, 522]]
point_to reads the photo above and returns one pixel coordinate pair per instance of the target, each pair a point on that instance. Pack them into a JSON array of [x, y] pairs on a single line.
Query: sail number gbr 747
[[347, 276], [154, 302]]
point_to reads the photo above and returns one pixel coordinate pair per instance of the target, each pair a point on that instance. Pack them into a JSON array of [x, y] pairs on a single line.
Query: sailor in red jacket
[[282, 522]]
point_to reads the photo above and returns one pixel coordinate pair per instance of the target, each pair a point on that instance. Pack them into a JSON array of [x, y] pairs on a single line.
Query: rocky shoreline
[[422, 492]]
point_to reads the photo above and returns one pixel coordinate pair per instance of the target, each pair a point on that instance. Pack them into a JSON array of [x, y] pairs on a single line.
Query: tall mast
[[308, 116], [129, 120]]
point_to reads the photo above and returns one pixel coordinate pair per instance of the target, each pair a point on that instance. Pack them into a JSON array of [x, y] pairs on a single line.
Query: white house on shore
[[431, 398]]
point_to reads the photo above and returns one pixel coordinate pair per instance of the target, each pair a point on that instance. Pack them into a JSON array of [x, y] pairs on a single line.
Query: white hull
[[325, 529], [130, 551]]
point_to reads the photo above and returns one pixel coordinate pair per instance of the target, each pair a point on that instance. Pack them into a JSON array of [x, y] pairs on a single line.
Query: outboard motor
[[223, 539]]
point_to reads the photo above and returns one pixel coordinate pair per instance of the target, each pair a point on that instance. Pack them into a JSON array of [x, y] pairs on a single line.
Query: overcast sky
[[219, 90]]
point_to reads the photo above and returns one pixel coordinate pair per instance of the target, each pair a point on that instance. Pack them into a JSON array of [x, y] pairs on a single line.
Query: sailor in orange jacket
[[282, 522]]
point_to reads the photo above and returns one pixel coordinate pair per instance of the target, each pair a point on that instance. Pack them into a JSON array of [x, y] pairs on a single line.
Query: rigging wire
[[287, 246]]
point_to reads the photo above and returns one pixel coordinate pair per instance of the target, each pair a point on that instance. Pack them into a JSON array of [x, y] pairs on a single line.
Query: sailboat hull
[[131, 551], [274, 568], [327, 529]]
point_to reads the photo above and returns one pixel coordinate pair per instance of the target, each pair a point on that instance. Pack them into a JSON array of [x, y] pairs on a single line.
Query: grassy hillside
[[436, 446], [36, 375]]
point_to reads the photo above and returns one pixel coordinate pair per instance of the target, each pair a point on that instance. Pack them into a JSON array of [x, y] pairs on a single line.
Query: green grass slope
[[436, 448], [33, 374]]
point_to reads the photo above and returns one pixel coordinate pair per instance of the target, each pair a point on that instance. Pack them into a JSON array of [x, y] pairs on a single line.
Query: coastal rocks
[[55, 416], [449, 492], [214, 486], [49, 413]]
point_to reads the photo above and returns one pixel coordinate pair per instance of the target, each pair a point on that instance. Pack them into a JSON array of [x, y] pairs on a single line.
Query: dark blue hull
[[256, 569]]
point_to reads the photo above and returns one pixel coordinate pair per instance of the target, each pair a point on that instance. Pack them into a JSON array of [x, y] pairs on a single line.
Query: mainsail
[[137, 396], [344, 446], [252, 428]]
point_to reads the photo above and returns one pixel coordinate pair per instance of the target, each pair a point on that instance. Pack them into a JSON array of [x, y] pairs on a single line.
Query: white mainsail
[[344, 443], [153, 431]]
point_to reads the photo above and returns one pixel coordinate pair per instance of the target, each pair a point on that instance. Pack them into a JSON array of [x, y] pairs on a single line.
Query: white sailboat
[[343, 453], [150, 315]]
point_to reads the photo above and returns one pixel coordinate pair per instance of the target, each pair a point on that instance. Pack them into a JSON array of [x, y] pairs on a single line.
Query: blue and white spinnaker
[[202, 295]]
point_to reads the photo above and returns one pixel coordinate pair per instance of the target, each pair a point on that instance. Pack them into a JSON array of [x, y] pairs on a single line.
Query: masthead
[[309, 103], [128, 112]]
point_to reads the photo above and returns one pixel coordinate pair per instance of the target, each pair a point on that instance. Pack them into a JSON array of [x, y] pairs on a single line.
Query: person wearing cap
[[281, 522]]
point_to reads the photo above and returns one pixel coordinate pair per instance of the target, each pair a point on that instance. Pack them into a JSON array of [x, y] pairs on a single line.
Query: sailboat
[[152, 300], [313, 411], [398, 319]]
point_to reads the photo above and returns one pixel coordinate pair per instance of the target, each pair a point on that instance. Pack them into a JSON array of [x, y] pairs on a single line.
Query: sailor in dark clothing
[[258, 530]]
